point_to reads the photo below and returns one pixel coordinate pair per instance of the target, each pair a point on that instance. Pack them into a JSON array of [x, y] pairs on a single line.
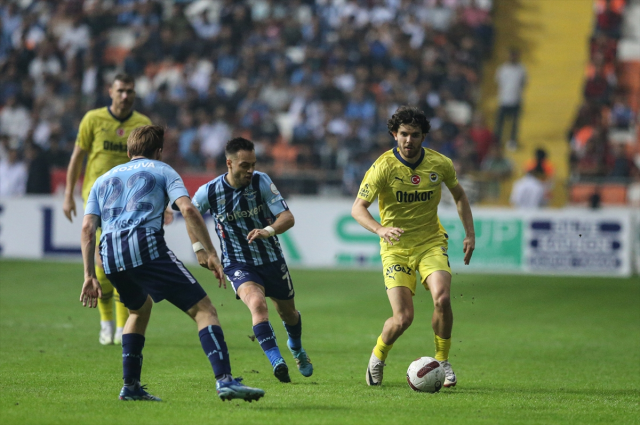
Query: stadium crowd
[[603, 136], [312, 83]]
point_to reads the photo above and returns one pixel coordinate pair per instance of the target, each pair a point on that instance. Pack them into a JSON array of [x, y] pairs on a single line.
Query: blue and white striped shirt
[[238, 211], [130, 200]]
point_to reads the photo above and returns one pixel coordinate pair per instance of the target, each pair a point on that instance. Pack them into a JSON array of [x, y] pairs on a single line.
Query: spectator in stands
[[529, 192], [609, 21], [622, 166], [39, 173], [597, 88], [495, 169], [13, 174], [511, 77], [621, 115], [15, 120], [481, 136]]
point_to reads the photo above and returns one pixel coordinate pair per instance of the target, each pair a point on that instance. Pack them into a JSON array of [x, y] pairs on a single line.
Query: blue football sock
[[267, 339], [295, 333], [132, 345], [212, 340]]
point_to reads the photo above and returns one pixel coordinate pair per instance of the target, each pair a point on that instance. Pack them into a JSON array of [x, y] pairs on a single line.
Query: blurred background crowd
[[312, 83]]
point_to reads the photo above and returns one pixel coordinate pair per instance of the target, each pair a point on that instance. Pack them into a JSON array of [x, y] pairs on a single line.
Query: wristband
[[271, 230], [197, 247]]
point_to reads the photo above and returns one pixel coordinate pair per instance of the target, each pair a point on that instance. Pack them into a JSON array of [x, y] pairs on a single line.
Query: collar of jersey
[[408, 164], [116, 118]]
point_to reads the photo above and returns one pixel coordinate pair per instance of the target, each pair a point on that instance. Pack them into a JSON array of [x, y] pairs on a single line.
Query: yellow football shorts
[[400, 266]]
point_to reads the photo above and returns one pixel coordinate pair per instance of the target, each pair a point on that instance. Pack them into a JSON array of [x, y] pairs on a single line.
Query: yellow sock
[[105, 304], [122, 312], [442, 348], [381, 349]]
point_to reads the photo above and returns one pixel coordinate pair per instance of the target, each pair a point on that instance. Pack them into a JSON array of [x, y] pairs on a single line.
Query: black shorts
[[163, 278], [274, 277]]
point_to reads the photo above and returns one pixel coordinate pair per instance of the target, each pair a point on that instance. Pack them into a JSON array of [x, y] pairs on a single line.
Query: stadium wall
[[568, 241]]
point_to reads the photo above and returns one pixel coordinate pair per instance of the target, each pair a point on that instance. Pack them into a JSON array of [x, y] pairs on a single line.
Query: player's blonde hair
[[145, 140]]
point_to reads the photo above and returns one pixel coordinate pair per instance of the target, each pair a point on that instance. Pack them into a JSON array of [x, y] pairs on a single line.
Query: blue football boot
[[138, 394], [302, 360]]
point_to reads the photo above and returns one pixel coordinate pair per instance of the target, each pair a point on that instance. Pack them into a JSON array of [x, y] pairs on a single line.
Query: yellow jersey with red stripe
[[104, 138], [408, 196]]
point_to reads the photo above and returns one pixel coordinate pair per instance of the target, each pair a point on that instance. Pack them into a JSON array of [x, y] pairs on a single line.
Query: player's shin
[[381, 350], [132, 345], [267, 338], [214, 346], [442, 348], [295, 334]]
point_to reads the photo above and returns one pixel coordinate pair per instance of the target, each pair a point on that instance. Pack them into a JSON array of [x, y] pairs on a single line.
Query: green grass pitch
[[527, 350]]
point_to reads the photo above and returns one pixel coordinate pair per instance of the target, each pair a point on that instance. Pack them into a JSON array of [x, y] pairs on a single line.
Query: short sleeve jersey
[[104, 138], [130, 200], [409, 194], [238, 211]]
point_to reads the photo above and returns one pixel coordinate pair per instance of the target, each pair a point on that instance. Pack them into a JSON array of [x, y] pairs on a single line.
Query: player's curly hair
[[238, 144], [408, 115]]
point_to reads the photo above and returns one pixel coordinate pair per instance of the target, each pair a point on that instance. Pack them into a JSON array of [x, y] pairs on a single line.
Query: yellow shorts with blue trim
[[400, 266]]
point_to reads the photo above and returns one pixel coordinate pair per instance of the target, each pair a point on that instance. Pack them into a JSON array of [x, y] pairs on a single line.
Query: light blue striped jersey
[[238, 211], [130, 200]]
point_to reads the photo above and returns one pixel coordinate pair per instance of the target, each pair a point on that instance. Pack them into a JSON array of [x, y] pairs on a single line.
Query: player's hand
[[91, 291], [168, 216], [468, 245], [69, 207], [203, 258], [257, 234], [390, 234], [218, 271]]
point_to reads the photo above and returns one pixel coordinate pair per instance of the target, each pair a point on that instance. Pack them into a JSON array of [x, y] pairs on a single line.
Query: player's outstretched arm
[[284, 221], [360, 211], [464, 211], [91, 289], [73, 173], [197, 230]]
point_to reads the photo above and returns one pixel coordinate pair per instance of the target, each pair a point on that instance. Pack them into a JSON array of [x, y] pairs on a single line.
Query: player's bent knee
[[442, 302], [404, 320]]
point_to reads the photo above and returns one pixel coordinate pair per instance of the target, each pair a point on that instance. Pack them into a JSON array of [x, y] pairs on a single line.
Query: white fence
[[571, 241]]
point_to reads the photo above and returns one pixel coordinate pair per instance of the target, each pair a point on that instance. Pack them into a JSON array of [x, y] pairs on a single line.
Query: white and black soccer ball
[[426, 375]]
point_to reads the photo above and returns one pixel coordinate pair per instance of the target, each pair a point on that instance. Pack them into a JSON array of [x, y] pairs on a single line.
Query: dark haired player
[[128, 203], [249, 212], [407, 182]]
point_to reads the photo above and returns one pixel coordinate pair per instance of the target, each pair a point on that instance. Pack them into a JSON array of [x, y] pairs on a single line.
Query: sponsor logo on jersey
[[120, 132], [399, 178], [238, 274], [415, 179], [433, 177], [240, 214], [249, 193], [274, 189], [364, 191], [115, 147], [415, 196], [221, 231], [397, 268]]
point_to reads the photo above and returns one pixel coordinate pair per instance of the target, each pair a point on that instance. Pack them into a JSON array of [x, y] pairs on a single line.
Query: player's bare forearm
[[464, 211], [196, 228], [74, 169], [361, 213], [73, 173], [88, 244], [284, 221]]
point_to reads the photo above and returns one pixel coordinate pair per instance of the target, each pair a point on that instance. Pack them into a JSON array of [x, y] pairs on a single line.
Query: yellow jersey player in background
[[407, 181], [103, 137]]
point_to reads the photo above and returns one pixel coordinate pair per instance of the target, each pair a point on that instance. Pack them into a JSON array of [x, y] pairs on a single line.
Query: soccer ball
[[426, 375]]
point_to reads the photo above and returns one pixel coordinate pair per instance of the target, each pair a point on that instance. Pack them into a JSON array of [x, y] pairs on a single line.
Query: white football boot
[[449, 377], [117, 337], [375, 371], [106, 332]]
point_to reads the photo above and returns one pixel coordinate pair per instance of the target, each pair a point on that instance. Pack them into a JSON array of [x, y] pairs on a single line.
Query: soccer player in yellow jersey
[[407, 182], [103, 137]]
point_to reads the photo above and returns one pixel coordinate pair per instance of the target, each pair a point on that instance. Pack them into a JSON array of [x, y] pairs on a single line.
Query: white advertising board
[[572, 242]]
